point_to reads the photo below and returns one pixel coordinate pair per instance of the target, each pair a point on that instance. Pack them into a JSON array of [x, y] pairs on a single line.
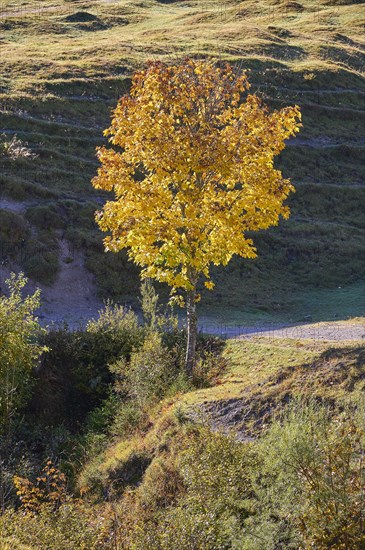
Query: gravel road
[[335, 331]]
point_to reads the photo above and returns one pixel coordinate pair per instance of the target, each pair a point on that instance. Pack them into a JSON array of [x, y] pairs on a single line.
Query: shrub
[[299, 486], [19, 350], [47, 217], [207, 368], [50, 488], [43, 265], [73, 526], [13, 233], [116, 320], [195, 497], [127, 417], [332, 473], [310, 479], [151, 370], [149, 304], [75, 377]]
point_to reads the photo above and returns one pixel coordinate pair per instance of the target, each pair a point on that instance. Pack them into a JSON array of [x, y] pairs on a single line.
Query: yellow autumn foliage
[[192, 170]]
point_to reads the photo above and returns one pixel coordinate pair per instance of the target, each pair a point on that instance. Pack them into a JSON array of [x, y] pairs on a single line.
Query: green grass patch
[[66, 65]]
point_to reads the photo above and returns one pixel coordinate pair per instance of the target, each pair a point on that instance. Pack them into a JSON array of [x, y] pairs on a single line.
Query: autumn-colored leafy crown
[[192, 170]]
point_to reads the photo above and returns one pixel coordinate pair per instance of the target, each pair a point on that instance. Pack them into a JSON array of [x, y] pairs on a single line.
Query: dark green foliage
[[309, 478], [39, 256], [74, 377], [19, 348], [47, 217], [116, 276], [13, 233], [151, 370], [127, 417], [37, 252]]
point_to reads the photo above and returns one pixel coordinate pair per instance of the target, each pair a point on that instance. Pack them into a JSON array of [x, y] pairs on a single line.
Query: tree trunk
[[192, 332]]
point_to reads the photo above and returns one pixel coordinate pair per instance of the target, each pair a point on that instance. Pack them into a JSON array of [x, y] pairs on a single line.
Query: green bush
[[13, 233], [193, 497], [116, 416], [42, 267], [75, 378], [47, 217], [19, 350], [127, 417], [312, 475], [150, 372]]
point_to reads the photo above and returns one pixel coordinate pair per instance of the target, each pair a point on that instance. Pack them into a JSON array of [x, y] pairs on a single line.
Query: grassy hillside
[[175, 481], [261, 377], [65, 64]]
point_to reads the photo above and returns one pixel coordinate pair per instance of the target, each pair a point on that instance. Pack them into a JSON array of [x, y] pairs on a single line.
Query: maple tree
[[192, 172]]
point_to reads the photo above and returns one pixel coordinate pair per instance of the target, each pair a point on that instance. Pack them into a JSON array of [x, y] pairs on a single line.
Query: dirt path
[[53, 122], [21, 206], [72, 298], [331, 331], [326, 331], [13, 206], [323, 142]]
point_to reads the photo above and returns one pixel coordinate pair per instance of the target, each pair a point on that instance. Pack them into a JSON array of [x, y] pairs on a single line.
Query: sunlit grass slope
[[65, 64], [262, 376]]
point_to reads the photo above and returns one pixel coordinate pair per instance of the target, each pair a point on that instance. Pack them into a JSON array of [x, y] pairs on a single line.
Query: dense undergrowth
[[111, 445]]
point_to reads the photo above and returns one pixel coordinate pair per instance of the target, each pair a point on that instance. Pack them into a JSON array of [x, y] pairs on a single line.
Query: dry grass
[[39, 46], [265, 367]]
